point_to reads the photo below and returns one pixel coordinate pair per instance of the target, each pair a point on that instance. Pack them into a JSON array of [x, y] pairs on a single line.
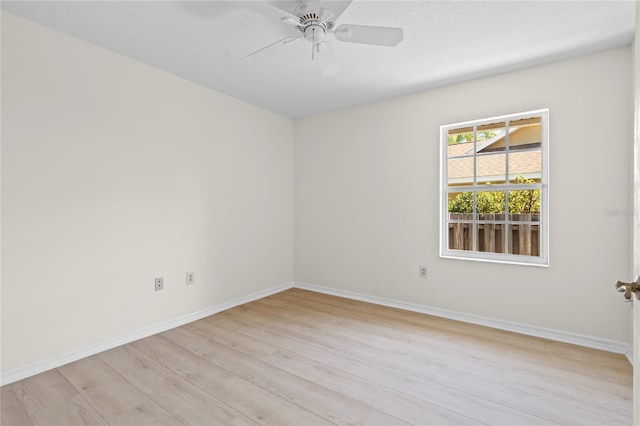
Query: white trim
[[446, 189], [507, 117], [490, 179], [629, 354], [561, 336], [62, 359], [505, 259], [530, 330]]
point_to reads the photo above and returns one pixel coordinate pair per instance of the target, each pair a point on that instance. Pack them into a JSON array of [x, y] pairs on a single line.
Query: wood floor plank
[[11, 411], [444, 325], [550, 410], [430, 391], [110, 393], [411, 358], [421, 325], [607, 372], [184, 401], [583, 398], [305, 358], [588, 355], [610, 370], [49, 399], [469, 335], [417, 345], [106, 390], [146, 413], [360, 380], [306, 394], [253, 401]]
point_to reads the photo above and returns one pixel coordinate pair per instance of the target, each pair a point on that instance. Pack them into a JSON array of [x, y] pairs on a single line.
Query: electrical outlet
[[423, 272], [159, 282], [191, 278]]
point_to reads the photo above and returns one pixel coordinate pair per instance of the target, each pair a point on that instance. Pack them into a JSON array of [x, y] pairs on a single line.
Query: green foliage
[[490, 202], [468, 137], [462, 203], [460, 138], [486, 135], [520, 201], [524, 200]]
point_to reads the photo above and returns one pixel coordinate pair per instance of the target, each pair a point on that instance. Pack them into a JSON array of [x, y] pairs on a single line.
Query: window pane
[[460, 142], [460, 237], [460, 171], [490, 202], [490, 206], [490, 235], [460, 202], [491, 138], [524, 205], [494, 184], [525, 166], [524, 239], [525, 133], [460, 213], [491, 169]]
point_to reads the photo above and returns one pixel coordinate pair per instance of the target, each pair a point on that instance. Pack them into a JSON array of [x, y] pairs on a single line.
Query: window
[[494, 189]]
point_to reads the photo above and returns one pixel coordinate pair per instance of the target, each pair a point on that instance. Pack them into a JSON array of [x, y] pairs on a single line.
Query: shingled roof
[[525, 158]]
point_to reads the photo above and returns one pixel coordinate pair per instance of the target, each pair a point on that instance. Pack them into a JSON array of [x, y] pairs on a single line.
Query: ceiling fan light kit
[[316, 22]]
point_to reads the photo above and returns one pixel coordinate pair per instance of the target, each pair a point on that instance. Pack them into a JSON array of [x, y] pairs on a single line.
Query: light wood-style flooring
[[303, 358]]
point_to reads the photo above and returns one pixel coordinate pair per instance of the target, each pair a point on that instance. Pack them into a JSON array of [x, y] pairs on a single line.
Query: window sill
[[508, 260]]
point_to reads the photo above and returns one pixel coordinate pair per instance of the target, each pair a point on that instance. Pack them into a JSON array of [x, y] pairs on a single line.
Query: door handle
[[628, 288]]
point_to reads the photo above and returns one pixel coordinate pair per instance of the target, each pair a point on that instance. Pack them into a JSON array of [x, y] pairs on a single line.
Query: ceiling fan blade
[[265, 9], [329, 64], [325, 14], [336, 8], [327, 10], [261, 52], [365, 34]]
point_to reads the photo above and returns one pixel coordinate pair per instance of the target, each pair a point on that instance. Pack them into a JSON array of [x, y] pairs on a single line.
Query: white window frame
[[445, 252]]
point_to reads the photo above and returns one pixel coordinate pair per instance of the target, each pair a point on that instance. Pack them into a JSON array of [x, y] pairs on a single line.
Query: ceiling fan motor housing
[[312, 27]]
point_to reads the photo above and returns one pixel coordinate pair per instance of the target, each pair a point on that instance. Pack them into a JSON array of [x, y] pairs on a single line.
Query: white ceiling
[[444, 42]]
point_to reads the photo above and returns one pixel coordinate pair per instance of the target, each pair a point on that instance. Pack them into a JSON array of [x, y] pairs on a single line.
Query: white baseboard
[[530, 330], [561, 336], [59, 360]]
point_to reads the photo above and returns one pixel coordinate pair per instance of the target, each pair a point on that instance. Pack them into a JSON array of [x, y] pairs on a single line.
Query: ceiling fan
[[314, 21]]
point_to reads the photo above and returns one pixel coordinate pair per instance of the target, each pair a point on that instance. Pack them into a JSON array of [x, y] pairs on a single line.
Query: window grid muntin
[[543, 227]]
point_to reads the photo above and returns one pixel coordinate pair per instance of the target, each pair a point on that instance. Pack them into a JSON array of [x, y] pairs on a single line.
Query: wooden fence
[[524, 238]]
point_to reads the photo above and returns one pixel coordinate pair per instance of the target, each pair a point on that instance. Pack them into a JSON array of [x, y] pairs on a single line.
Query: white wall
[[366, 198], [114, 173]]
